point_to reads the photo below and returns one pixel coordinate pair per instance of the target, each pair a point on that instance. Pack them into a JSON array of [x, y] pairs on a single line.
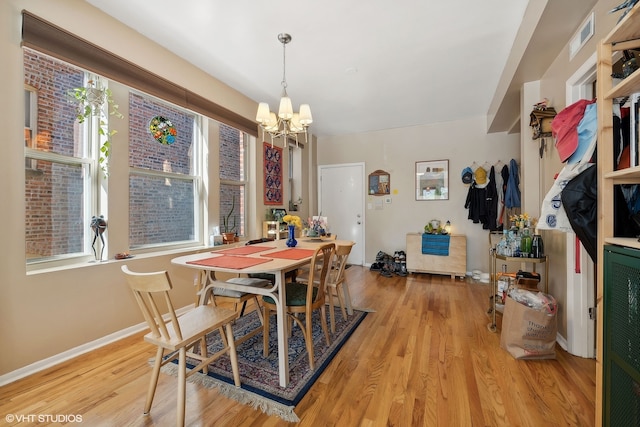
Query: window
[[233, 179], [163, 173], [59, 167], [64, 186]]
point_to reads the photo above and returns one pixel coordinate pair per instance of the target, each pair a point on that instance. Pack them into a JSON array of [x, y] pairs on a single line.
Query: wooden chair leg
[[323, 322], [153, 382], [340, 295], [203, 352], [265, 332], [332, 315], [308, 338], [233, 355], [258, 309], [182, 386], [223, 337]]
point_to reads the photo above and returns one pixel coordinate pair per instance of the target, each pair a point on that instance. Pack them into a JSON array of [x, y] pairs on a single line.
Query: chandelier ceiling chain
[[284, 39], [286, 123]]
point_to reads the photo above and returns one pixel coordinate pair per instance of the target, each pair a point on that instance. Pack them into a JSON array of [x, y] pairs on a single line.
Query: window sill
[[51, 267]]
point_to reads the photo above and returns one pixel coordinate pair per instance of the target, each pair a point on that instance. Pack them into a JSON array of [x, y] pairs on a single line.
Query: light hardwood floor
[[424, 358]]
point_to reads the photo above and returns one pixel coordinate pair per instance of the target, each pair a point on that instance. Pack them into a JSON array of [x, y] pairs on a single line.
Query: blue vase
[[291, 241]]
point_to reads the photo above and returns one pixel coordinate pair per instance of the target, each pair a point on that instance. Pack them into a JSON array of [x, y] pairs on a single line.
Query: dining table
[[268, 257]]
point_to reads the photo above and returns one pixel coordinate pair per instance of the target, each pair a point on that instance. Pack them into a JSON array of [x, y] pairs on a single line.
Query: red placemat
[[291, 253], [230, 261], [244, 250]]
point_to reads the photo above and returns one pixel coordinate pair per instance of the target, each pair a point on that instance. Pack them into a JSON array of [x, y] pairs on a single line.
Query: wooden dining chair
[[238, 298], [179, 336], [335, 284], [304, 299], [304, 270]]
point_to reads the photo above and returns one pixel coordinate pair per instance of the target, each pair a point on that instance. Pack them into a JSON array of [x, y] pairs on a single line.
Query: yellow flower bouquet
[[293, 220]]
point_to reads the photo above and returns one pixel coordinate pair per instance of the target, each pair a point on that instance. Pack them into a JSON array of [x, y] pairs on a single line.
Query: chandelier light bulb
[[285, 112], [294, 124], [263, 114], [272, 124], [305, 115]]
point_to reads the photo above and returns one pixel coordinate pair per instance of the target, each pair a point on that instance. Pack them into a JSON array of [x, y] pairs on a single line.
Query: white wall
[[396, 151]]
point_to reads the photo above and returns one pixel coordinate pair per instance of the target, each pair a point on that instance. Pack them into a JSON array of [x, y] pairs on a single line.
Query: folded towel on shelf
[[435, 244]]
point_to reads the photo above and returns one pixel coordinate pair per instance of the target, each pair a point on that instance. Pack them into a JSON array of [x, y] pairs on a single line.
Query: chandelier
[[287, 123]]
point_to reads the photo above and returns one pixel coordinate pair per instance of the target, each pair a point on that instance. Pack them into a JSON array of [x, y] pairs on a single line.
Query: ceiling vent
[[582, 36]]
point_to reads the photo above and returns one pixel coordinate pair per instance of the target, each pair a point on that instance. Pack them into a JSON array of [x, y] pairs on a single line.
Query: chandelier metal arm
[[286, 122]]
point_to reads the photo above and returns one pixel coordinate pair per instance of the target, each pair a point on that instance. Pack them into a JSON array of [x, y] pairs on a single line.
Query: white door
[[580, 299], [341, 200], [581, 330]]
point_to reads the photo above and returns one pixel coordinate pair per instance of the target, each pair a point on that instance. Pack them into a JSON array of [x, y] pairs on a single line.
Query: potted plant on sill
[[228, 229], [90, 101]]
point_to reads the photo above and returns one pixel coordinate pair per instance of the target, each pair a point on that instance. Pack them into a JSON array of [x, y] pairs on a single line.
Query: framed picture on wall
[[379, 183], [432, 180]]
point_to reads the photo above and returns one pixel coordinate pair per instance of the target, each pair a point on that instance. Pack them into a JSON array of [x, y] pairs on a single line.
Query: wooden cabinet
[[274, 230], [455, 264], [626, 35]]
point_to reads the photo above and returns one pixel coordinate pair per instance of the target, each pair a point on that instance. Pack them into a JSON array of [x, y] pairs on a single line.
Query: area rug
[[260, 386]]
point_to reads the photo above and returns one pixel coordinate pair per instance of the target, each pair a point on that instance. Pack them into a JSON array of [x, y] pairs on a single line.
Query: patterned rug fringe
[[245, 397]]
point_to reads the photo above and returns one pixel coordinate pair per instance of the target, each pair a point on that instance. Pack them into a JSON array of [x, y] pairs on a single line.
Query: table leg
[[283, 344], [206, 292]]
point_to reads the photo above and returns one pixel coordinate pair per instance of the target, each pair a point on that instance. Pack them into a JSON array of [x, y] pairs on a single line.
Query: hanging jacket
[[492, 201], [477, 204], [512, 195], [504, 173], [579, 198]]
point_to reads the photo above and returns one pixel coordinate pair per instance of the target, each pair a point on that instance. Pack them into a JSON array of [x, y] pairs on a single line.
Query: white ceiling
[[361, 65]]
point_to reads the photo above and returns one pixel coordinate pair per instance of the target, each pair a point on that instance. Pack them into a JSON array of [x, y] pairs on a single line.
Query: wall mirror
[[379, 183], [432, 180]]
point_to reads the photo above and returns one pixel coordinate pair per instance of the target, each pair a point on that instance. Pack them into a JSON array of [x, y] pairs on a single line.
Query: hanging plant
[[163, 130], [90, 101]]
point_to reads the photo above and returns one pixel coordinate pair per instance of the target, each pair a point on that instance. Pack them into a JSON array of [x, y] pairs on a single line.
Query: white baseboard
[[75, 352], [562, 342]]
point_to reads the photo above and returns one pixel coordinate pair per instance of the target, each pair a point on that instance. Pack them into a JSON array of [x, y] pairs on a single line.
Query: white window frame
[[195, 176], [89, 164], [243, 182]]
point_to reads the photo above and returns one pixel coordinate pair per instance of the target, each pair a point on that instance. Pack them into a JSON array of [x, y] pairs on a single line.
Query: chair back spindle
[[149, 289]]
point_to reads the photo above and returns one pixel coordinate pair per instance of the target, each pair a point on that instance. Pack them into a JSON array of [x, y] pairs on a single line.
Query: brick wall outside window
[[232, 169], [53, 191], [161, 210]]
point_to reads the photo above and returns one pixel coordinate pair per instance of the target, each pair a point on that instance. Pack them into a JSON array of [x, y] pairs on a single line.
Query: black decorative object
[[98, 225]]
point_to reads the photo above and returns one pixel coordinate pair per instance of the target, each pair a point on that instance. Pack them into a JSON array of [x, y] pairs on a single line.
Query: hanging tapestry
[[272, 174]]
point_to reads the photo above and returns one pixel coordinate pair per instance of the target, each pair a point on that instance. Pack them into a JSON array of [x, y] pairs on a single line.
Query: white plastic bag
[[552, 213]]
